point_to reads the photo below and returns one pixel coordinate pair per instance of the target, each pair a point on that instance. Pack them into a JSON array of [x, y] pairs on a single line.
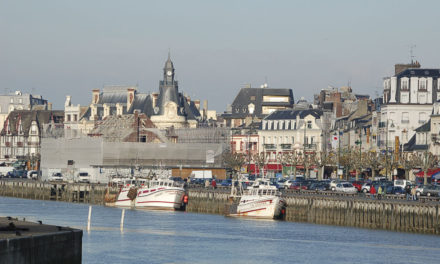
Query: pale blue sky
[[55, 48]]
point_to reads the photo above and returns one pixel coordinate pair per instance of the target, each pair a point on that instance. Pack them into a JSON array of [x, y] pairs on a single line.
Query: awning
[[430, 172]]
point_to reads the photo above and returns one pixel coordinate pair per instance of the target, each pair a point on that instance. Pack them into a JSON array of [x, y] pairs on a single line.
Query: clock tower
[[168, 72]]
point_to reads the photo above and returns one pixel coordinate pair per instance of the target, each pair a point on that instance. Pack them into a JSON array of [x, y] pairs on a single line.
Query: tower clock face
[[169, 73]]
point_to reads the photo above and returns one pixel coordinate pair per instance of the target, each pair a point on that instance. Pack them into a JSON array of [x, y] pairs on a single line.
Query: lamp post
[[359, 143], [304, 148], [251, 109]]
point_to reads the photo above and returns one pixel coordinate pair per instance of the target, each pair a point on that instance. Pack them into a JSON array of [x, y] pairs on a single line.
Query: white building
[[407, 102], [290, 130]]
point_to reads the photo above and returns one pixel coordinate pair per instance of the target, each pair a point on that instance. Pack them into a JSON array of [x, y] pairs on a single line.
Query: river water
[[179, 237]]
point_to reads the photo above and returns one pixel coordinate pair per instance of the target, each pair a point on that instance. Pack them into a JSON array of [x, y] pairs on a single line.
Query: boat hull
[[164, 198], [262, 207], [123, 200]]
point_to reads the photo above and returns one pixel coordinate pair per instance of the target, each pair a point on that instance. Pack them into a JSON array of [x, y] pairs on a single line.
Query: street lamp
[[251, 109], [386, 148], [359, 143]]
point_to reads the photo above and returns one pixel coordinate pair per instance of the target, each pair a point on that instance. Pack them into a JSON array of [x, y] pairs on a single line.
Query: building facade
[[288, 131], [20, 101], [407, 102], [22, 132]]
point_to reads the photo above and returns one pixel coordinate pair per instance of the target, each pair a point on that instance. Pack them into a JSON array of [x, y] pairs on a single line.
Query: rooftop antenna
[[411, 53]]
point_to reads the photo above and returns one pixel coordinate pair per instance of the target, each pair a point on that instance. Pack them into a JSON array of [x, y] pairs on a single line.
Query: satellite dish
[[156, 110]]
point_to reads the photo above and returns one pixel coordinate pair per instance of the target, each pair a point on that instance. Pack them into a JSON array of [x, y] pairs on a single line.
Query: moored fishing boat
[[261, 200], [164, 194], [128, 191]]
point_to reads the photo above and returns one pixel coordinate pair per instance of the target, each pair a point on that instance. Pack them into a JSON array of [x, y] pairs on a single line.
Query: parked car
[[298, 186], [226, 183], [333, 184], [33, 174], [358, 185], [366, 187], [287, 184], [394, 190], [402, 183], [84, 177], [56, 176], [17, 174], [345, 187], [320, 186], [428, 190]]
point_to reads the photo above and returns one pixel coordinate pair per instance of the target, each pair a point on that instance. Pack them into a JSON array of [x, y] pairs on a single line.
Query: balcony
[[310, 146], [19, 144], [7, 144], [405, 121], [270, 146], [286, 146]]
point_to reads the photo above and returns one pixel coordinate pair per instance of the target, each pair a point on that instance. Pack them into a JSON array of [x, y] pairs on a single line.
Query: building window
[[422, 84], [404, 84], [405, 118], [293, 140], [12, 100], [309, 124], [20, 100]]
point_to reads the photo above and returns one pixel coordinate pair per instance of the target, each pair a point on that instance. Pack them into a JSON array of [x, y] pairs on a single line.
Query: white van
[[83, 177], [402, 183]]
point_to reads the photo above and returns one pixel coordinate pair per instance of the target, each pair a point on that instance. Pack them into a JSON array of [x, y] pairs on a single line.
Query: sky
[[61, 47]]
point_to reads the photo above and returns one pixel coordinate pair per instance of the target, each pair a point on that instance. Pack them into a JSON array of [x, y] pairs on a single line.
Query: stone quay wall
[[393, 213], [346, 210]]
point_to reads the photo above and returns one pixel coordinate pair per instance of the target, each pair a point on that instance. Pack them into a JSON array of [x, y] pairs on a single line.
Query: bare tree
[[372, 161], [408, 161], [425, 161], [234, 160], [294, 159], [308, 161], [347, 159], [322, 159], [260, 160], [283, 159]]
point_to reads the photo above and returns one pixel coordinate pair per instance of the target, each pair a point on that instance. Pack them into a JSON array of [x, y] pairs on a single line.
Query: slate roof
[[419, 72], [425, 127], [292, 114], [114, 94], [40, 116], [255, 96], [412, 146]]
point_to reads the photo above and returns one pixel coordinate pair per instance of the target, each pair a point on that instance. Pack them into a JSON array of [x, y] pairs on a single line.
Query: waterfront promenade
[[359, 210]]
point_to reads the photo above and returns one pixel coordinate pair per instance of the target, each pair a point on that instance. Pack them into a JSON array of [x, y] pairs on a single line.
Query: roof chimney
[[95, 96]]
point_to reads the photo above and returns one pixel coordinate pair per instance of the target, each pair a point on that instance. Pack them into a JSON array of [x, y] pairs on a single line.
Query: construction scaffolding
[[195, 148]]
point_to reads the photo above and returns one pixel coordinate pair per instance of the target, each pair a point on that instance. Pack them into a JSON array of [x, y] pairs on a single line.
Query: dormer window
[[309, 124]]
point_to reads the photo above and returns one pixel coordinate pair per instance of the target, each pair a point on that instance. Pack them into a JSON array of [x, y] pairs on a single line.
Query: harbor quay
[[354, 210], [22, 242]]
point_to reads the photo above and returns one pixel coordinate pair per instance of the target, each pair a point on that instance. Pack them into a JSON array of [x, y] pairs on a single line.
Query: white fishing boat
[[127, 193], [261, 200], [164, 194]]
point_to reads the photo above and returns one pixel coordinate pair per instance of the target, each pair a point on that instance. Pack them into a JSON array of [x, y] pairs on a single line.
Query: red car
[[298, 185], [358, 185]]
